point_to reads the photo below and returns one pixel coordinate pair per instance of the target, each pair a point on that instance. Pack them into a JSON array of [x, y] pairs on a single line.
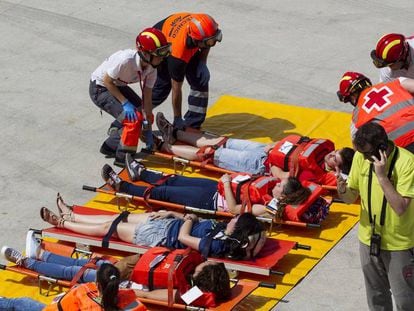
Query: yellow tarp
[[264, 122]]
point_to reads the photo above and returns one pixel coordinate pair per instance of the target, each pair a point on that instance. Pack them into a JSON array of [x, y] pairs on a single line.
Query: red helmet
[[153, 41], [390, 49], [351, 83], [203, 27]]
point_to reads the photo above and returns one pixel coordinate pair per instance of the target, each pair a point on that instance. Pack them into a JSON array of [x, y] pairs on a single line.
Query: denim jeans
[[61, 267], [194, 192], [241, 155], [20, 304]]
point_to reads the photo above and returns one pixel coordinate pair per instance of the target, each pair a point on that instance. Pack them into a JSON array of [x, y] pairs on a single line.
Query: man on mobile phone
[[391, 104], [382, 174]]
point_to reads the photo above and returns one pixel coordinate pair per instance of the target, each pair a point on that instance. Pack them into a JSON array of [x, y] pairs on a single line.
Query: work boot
[[12, 255], [166, 128], [120, 159], [110, 177], [134, 168]]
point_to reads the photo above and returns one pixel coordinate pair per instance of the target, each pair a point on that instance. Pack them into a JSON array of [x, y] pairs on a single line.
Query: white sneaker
[[32, 245]]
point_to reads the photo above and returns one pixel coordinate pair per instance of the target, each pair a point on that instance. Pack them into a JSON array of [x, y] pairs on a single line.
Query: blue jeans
[[61, 267], [194, 192], [241, 155], [20, 304], [198, 95]]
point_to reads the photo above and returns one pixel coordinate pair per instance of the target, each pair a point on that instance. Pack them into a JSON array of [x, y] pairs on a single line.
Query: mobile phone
[[375, 245], [382, 147]]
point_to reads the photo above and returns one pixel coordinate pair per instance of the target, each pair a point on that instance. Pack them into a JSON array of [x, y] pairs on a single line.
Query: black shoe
[[166, 128], [107, 151], [134, 168], [110, 177], [120, 159]]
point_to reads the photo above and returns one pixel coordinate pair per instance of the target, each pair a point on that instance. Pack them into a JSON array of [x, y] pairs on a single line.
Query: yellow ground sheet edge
[[265, 122]]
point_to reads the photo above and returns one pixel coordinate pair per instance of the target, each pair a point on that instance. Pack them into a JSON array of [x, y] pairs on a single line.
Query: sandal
[[65, 210], [166, 128], [50, 217]]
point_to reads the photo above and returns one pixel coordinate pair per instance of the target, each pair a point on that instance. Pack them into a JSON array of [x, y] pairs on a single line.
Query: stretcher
[[154, 204], [184, 164], [240, 289], [271, 253]]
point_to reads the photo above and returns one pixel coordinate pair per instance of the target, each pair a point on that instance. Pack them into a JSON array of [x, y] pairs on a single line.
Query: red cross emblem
[[377, 99]]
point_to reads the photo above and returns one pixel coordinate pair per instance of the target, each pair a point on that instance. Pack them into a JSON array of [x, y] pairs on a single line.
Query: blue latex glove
[[149, 141], [203, 73], [178, 123], [129, 110]]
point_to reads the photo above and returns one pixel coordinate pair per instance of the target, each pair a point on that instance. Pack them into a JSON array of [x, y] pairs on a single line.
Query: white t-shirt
[[387, 75], [124, 66]]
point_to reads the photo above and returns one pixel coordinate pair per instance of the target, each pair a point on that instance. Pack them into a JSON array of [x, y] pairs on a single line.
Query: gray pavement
[[280, 51]]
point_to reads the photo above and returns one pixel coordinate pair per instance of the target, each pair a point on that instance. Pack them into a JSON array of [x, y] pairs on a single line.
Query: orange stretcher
[[271, 253], [156, 204], [240, 290]]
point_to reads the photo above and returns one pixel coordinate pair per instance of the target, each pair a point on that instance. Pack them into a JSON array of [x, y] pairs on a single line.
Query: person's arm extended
[[177, 97], [204, 54], [156, 294], [147, 104], [184, 236], [278, 172], [113, 89], [346, 194]]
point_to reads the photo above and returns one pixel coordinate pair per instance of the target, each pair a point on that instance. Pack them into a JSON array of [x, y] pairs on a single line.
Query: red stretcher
[[272, 252], [240, 290]]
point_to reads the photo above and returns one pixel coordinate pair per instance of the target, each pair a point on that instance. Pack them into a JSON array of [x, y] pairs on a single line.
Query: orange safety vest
[[85, 297], [392, 106], [295, 153], [131, 132], [248, 189], [175, 29]]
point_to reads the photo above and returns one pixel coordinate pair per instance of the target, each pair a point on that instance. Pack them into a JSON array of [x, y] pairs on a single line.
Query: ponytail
[[108, 279]]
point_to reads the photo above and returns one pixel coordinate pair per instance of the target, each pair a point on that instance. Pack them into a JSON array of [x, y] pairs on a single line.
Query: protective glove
[[146, 128], [203, 73], [179, 123], [129, 110]]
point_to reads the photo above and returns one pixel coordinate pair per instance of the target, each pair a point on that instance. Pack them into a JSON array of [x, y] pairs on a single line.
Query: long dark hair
[[108, 279], [215, 279], [246, 225], [294, 192]]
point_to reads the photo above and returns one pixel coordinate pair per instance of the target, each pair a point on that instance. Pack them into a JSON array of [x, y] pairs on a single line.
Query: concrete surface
[[281, 51]]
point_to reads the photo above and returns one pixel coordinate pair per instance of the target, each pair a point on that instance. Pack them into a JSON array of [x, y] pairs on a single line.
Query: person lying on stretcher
[[102, 293], [252, 157], [241, 238], [208, 276], [204, 193]]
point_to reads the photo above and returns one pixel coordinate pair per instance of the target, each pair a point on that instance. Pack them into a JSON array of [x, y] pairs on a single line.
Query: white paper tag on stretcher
[[285, 148], [240, 178], [191, 295]]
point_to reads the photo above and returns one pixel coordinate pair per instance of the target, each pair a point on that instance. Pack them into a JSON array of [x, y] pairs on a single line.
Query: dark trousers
[[105, 101], [197, 98], [189, 191]]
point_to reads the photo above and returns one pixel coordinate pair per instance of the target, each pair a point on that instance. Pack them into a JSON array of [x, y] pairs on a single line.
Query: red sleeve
[[307, 175]]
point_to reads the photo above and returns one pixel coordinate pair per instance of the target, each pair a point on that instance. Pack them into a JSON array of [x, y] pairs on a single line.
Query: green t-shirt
[[398, 231]]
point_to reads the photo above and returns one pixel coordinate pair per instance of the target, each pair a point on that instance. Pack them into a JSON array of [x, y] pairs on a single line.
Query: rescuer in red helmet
[[191, 36], [394, 55], [109, 91], [390, 104]]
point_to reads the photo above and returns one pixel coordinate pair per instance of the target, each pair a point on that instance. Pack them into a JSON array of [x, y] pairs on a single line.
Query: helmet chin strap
[[146, 60]]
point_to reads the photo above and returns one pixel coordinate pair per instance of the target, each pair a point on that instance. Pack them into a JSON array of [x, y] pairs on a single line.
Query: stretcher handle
[[276, 272], [89, 188], [297, 224], [303, 246], [267, 285], [330, 188]]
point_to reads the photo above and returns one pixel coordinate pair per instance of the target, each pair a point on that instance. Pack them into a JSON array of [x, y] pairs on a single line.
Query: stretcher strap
[[207, 157], [293, 155], [89, 265], [147, 192], [114, 225], [178, 258]]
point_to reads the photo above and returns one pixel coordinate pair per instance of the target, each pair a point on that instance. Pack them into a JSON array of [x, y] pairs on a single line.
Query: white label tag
[[285, 148], [240, 178], [191, 295]]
